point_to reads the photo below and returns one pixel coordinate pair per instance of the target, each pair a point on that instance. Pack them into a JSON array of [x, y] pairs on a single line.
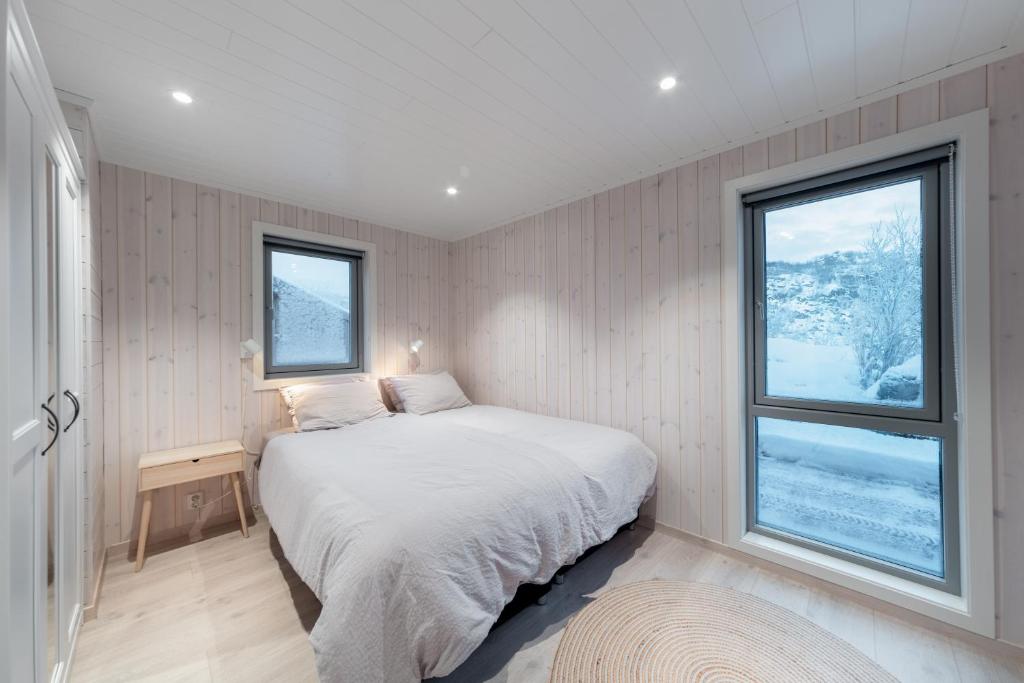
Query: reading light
[[182, 96], [667, 83], [249, 348], [416, 346], [452, 190]]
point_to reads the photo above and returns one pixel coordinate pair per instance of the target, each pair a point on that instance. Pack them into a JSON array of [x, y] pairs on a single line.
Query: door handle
[[78, 408], [54, 423]]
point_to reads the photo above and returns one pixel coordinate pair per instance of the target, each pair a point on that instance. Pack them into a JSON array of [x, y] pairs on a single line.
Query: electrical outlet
[[194, 501]]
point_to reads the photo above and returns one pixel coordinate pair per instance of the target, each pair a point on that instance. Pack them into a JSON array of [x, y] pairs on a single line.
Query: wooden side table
[[182, 466]]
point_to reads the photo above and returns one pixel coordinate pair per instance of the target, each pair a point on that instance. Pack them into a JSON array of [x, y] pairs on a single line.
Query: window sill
[[953, 609]]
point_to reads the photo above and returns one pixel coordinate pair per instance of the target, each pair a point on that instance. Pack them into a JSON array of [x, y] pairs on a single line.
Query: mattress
[[415, 531]]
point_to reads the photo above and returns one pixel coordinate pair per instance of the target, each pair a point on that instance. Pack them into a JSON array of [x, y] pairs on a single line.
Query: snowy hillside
[[318, 330], [812, 330]]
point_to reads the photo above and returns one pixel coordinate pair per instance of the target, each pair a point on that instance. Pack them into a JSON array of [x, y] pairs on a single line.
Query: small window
[[851, 402], [312, 308]]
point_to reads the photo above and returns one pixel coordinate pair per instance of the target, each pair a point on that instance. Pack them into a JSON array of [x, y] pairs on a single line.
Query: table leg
[[237, 486], [147, 509]]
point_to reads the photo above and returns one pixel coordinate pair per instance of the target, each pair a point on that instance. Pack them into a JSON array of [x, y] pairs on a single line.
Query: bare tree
[[885, 325]]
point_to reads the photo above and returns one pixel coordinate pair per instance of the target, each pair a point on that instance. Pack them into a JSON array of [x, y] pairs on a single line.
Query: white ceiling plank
[[622, 27], [725, 26], [780, 38], [628, 144], [457, 58], [759, 10], [831, 44], [986, 27], [931, 30], [514, 24], [345, 21], [272, 39], [195, 25], [263, 43], [482, 129], [452, 17], [673, 26], [582, 40], [881, 32], [344, 105]]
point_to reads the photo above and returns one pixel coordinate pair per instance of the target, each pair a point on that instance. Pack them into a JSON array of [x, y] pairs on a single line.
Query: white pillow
[[422, 394], [325, 406]]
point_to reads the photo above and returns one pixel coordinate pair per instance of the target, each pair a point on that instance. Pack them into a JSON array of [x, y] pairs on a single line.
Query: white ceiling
[[370, 108]]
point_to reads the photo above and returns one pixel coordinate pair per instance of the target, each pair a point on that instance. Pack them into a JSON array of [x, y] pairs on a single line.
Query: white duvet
[[415, 531]]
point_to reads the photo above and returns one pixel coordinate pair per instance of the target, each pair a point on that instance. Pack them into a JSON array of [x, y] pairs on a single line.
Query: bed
[[414, 531]]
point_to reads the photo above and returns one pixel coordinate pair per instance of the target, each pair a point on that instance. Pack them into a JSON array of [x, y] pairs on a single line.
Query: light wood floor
[[232, 609]]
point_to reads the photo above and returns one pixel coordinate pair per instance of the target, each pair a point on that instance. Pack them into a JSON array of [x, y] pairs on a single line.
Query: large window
[[312, 303], [850, 376]]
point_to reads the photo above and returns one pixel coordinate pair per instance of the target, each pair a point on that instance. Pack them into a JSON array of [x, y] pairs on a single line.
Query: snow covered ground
[[801, 369], [874, 493]]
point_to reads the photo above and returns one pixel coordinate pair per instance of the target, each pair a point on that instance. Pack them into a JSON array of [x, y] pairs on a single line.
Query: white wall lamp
[[414, 355]]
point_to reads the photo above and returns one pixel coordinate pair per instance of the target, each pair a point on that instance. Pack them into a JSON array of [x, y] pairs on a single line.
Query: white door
[[41, 358], [66, 500], [26, 373]]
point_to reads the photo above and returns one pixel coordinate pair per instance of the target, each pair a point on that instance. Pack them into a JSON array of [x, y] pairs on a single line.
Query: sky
[[801, 233], [327, 278]]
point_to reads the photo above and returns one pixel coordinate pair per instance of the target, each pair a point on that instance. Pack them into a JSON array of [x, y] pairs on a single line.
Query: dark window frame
[[357, 364], [936, 417]]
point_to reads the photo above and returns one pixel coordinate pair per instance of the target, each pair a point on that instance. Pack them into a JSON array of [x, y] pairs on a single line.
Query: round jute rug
[[677, 631]]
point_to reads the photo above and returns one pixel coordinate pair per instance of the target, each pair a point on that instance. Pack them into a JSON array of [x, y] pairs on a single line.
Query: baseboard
[[998, 647], [90, 611]]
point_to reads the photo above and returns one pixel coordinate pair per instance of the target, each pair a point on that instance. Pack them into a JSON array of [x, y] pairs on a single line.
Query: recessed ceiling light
[[452, 190], [182, 96], [667, 83]]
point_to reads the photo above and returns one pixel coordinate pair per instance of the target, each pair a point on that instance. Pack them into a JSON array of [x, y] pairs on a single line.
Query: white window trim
[[369, 303], [974, 610]]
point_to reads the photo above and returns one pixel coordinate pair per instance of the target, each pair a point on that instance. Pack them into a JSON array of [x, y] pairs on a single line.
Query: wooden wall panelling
[[1006, 206], [842, 130], [670, 342], [185, 324], [588, 353], [650, 332], [562, 265], [159, 328], [551, 309], [711, 522], [208, 338], [617, 304], [917, 107], [810, 141], [602, 319], [878, 119], [690, 372], [111, 352], [782, 149], [650, 408], [229, 277], [540, 312], [963, 93], [634, 309], [574, 255], [131, 254], [755, 156], [249, 210], [529, 294]]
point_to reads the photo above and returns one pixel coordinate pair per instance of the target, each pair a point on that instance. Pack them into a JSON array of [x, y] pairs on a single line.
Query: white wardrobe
[[41, 331]]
